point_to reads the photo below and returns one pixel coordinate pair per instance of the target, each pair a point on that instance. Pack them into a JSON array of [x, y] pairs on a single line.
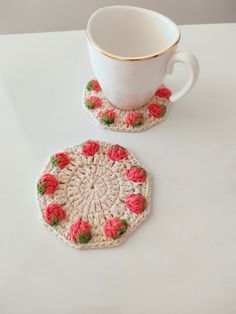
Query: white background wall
[[20, 16]]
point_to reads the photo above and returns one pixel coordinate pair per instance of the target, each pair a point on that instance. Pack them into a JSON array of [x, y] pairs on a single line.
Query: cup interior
[[131, 32]]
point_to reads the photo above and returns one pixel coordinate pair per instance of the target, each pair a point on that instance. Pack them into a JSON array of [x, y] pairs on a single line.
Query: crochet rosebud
[[47, 184], [93, 85], [115, 227], [163, 92], [60, 160], [134, 119], [80, 232], [117, 153], [53, 213], [90, 148], [136, 203], [93, 102], [136, 174], [157, 110], [107, 116]]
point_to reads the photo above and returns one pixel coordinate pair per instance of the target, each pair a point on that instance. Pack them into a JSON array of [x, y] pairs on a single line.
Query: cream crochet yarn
[[93, 195], [113, 118]]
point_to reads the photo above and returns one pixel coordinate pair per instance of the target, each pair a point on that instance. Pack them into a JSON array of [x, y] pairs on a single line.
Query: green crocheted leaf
[[163, 111], [82, 238], [90, 105], [41, 187], [105, 120], [89, 85], [54, 161], [55, 222], [124, 222]]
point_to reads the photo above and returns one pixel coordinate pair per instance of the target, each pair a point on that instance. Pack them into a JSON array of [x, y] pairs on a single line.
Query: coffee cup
[[132, 50]]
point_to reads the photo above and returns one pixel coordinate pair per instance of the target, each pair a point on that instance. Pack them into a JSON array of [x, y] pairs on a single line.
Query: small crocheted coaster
[[93, 195], [113, 118]]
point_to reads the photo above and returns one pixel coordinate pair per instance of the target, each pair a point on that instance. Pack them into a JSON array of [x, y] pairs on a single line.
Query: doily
[[113, 118], [93, 195]]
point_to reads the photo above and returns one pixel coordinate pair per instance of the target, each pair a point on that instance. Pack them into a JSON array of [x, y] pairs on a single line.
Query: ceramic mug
[[131, 50]]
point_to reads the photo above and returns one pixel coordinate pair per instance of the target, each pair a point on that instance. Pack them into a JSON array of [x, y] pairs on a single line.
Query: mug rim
[[141, 58]]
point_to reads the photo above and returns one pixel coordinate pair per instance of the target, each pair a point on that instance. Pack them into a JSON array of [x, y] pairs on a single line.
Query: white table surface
[[182, 260]]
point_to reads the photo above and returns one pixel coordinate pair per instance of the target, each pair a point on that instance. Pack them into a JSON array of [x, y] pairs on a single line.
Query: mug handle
[[192, 64]]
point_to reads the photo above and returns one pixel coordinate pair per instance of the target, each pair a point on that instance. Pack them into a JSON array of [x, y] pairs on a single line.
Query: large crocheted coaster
[[93, 195], [113, 118]]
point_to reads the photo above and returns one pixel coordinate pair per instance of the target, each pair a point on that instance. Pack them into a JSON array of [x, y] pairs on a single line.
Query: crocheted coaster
[[93, 195], [113, 118]]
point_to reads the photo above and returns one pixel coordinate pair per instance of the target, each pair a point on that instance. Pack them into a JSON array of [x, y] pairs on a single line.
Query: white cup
[[131, 50]]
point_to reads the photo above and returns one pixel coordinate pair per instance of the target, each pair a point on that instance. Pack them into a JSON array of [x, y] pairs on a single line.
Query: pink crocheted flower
[[80, 232], [117, 153], [157, 110], [47, 184], [136, 174], [134, 119], [93, 102], [90, 148], [115, 227], [107, 116], [60, 160], [93, 85], [136, 203], [53, 213], [163, 92]]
